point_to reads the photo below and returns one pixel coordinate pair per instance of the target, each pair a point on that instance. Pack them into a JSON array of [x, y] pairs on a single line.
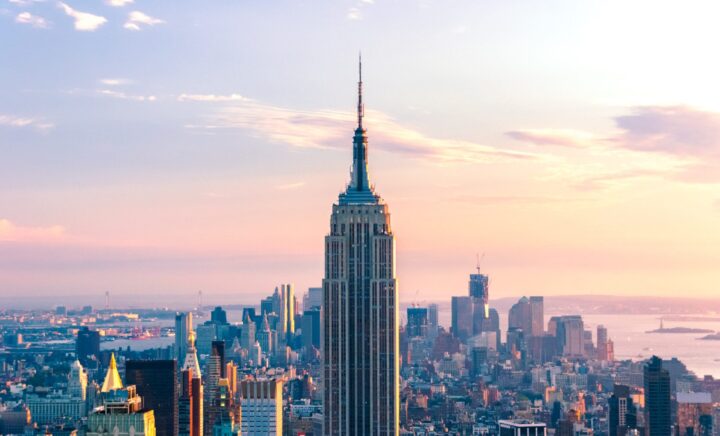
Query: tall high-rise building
[[185, 404], [622, 416], [658, 420], [478, 288], [218, 316], [313, 298], [261, 407], [602, 343], [360, 313], [214, 369], [462, 317], [87, 345], [433, 315], [287, 310], [267, 337], [77, 381], [417, 322], [193, 384], [247, 331], [156, 383], [183, 327], [520, 316], [569, 331], [537, 313], [311, 330]]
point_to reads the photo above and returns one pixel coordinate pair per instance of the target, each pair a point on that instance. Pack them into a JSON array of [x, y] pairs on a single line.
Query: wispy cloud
[[124, 96], [115, 82], [212, 97], [290, 186], [25, 2], [136, 20], [675, 142], [119, 3], [354, 14], [10, 232], [555, 137], [329, 129], [679, 130], [84, 21], [15, 121], [33, 20]]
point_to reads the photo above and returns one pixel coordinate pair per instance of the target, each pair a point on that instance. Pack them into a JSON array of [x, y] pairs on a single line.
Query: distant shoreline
[[680, 330]]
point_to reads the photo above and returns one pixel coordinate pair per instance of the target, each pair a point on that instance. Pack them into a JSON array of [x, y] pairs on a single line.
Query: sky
[[156, 148]]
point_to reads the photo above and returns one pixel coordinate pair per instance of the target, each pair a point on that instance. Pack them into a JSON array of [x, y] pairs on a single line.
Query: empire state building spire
[[359, 189], [360, 108]]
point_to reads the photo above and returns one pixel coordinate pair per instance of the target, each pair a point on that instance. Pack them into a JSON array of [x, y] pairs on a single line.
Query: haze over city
[[159, 148]]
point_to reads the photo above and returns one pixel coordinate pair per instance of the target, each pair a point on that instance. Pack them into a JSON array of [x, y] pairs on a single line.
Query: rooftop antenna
[[479, 259], [361, 107]]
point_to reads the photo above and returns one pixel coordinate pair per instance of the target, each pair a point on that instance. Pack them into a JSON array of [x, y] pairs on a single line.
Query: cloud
[[678, 130], [354, 14], [84, 21], [212, 97], [114, 82], [10, 232], [290, 186], [680, 143], [137, 19], [33, 20], [119, 3], [15, 121], [25, 2], [331, 129], [555, 137], [124, 96]]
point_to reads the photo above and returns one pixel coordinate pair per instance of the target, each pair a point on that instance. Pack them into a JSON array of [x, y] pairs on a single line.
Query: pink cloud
[[330, 129]]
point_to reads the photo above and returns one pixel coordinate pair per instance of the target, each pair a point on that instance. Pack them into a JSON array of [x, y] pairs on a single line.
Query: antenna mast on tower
[[479, 259]]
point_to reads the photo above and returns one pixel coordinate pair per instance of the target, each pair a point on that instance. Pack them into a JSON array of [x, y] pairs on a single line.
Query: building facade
[[261, 407], [360, 343], [156, 383]]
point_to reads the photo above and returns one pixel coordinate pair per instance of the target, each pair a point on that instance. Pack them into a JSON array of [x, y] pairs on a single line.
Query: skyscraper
[[462, 317], [569, 332], [537, 314], [360, 335], [87, 345], [658, 421], [192, 391], [261, 407], [622, 414], [478, 288], [417, 322], [183, 326], [156, 383], [520, 316]]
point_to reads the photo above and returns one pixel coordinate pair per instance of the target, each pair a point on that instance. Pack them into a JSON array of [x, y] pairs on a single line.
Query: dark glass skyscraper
[[417, 322], [658, 420], [87, 345], [622, 411], [360, 335], [156, 383]]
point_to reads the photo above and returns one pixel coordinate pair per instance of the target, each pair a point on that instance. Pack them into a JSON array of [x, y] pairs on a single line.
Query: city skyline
[[567, 160]]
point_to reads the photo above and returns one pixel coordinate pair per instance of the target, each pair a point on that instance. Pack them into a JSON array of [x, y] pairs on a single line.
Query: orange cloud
[[10, 232]]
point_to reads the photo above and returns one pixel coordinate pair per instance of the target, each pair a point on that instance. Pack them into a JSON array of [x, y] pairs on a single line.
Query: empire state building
[[360, 321]]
